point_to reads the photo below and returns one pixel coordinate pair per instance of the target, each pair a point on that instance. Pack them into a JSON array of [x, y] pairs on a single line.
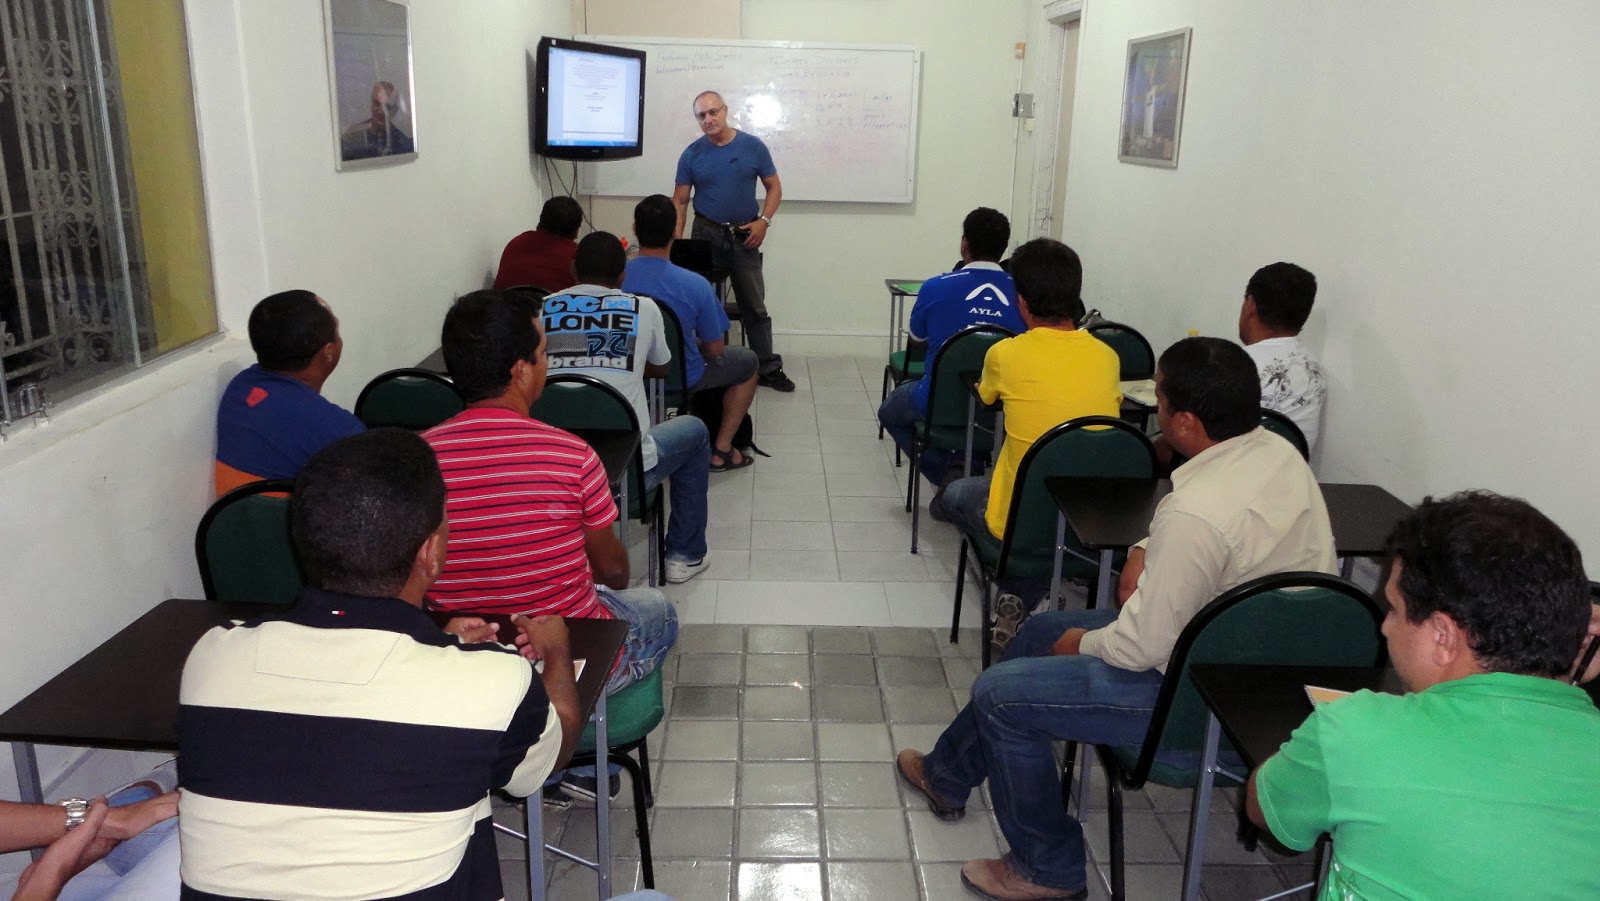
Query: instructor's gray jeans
[[749, 289]]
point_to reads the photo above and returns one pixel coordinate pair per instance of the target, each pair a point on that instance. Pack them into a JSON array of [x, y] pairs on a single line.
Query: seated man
[[978, 292], [529, 507], [1276, 304], [595, 329], [1246, 505], [350, 744], [1484, 780], [1049, 374], [123, 846], [273, 416], [708, 361], [543, 257]]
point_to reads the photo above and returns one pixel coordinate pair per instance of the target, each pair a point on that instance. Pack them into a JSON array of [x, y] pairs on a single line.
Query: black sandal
[[723, 461]]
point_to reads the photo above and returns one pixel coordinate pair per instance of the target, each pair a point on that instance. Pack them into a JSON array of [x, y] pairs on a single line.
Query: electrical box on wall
[[1022, 106]]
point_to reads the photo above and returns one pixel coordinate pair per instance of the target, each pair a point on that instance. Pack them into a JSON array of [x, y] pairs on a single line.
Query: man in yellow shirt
[[1043, 377]]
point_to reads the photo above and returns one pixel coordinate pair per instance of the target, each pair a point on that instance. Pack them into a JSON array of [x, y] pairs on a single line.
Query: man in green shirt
[[1484, 780]]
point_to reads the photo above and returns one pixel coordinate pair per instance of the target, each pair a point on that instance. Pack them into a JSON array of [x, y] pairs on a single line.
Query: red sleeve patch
[[257, 395]]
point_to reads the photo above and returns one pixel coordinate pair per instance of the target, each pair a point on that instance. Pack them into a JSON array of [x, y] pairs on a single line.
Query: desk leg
[[899, 320], [534, 824], [1102, 582], [972, 417], [29, 789], [1055, 565], [999, 437], [1200, 814], [602, 798], [1347, 566]]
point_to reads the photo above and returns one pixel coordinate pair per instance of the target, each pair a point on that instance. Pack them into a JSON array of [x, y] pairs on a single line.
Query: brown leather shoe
[[909, 763], [998, 880]]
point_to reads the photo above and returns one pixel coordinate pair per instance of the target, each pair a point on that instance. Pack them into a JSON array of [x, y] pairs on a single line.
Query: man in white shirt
[[1277, 302], [1245, 505]]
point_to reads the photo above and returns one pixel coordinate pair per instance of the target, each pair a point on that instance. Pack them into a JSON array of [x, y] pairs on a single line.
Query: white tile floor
[[773, 768]]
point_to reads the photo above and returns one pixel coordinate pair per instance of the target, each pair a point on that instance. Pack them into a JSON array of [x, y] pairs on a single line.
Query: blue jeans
[[966, 505], [683, 456], [898, 413], [652, 631], [1004, 734]]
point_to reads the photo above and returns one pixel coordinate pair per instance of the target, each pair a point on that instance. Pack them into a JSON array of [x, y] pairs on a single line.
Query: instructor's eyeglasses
[[710, 112]]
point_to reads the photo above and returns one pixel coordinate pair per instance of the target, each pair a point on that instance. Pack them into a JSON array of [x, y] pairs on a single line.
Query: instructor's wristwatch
[[77, 809], [765, 219]]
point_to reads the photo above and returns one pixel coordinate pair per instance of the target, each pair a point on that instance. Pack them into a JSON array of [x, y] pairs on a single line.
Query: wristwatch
[[77, 809], [765, 219]]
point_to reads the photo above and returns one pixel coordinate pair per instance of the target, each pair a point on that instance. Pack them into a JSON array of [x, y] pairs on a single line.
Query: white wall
[[116, 483], [1434, 166]]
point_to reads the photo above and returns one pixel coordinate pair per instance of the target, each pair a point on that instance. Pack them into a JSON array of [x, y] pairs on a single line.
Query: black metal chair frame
[[1008, 540], [384, 378], [201, 555], [678, 363]]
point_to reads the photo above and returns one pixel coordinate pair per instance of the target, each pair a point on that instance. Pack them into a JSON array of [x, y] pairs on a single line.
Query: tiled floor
[[773, 768]]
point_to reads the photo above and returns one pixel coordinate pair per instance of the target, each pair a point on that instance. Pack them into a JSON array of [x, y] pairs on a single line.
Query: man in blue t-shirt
[[273, 416], [979, 293], [721, 169]]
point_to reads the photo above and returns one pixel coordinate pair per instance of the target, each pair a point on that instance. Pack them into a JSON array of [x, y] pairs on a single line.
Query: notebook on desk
[[1142, 391]]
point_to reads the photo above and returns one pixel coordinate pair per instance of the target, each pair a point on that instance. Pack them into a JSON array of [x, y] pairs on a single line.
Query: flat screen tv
[[588, 101]]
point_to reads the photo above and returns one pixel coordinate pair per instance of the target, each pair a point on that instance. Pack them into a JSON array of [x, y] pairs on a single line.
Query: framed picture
[[1152, 99], [369, 78]]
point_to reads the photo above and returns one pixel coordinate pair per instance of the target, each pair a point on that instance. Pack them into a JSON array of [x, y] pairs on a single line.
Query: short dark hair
[[1216, 381], [287, 330], [1283, 293], [362, 507], [987, 232], [1507, 574], [561, 216], [485, 334], [1049, 277], [654, 220], [600, 258]]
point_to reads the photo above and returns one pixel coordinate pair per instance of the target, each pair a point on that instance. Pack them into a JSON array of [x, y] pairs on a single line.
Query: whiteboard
[[839, 119]]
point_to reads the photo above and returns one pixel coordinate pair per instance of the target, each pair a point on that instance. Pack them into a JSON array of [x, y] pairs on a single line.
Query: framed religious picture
[[1152, 98], [369, 77]]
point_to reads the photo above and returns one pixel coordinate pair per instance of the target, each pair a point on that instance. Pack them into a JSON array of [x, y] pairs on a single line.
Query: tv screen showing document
[[589, 101]]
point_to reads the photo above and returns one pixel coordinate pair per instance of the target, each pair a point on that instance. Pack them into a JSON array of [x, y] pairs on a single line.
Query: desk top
[[903, 287], [124, 693], [1259, 707], [434, 362], [614, 447], [1116, 513]]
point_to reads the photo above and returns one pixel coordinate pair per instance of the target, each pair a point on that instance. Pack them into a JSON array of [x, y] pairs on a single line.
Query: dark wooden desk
[[434, 362], [614, 447], [1259, 707], [1108, 515]]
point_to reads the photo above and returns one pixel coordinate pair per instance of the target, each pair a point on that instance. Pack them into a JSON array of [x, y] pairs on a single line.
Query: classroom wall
[[120, 478], [1433, 166]]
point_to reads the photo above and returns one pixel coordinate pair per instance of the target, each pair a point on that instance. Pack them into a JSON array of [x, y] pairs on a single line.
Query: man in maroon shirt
[[543, 257]]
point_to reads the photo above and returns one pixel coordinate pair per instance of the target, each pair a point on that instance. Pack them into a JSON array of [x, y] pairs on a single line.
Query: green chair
[[1280, 424], [576, 402], [672, 392], [1090, 447], [1138, 359], [1288, 619], [243, 548], [904, 365], [944, 427], [631, 715], [413, 399]]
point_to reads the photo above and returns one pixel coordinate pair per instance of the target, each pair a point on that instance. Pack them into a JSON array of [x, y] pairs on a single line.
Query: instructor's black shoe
[[776, 380]]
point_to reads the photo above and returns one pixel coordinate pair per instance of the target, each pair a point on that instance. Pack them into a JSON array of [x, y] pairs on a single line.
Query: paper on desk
[[577, 668], [1319, 695], [1141, 391]]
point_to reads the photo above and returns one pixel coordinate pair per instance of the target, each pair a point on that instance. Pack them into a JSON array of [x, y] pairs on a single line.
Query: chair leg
[[961, 584], [988, 626], [916, 496], [661, 542], [911, 481], [1067, 766], [883, 397], [1114, 824], [644, 767], [640, 817]]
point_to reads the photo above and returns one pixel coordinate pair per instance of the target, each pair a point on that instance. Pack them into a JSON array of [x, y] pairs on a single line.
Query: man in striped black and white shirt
[[346, 748]]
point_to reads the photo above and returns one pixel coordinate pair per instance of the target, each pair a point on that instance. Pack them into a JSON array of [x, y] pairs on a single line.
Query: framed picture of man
[[369, 76], [1152, 98]]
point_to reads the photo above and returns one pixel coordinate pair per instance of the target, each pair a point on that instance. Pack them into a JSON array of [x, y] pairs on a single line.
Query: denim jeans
[[898, 413], [966, 505], [1003, 734], [749, 289], [683, 458], [652, 631]]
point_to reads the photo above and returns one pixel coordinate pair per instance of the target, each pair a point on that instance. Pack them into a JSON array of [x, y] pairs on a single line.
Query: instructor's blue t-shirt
[[269, 424], [724, 178], [690, 298], [977, 294]]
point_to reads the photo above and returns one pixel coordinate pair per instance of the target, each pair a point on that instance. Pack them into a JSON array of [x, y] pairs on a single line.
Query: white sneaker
[[680, 571]]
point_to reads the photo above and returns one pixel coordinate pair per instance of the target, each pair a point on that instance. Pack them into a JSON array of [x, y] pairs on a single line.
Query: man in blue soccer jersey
[[979, 293]]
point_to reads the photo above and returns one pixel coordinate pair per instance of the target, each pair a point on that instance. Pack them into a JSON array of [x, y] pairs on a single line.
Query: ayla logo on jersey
[[993, 295]]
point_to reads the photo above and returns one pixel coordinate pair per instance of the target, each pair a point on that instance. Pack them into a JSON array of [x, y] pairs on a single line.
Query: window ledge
[[217, 358]]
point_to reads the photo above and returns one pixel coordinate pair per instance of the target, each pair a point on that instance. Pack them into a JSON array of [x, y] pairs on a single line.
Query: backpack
[[707, 407]]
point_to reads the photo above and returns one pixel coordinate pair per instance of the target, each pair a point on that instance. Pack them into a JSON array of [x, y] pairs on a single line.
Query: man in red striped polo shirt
[[529, 507]]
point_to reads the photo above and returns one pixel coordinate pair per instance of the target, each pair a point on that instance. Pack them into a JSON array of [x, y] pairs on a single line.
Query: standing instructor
[[720, 169]]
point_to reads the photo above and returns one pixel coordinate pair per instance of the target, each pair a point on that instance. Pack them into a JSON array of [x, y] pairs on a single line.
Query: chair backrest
[[243, 547], [584, 402], [691, 253], [964, 352], [1274, 421], [675, 384], [1089, 447], [1288, 619], [1138, 359], [409, 398]]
